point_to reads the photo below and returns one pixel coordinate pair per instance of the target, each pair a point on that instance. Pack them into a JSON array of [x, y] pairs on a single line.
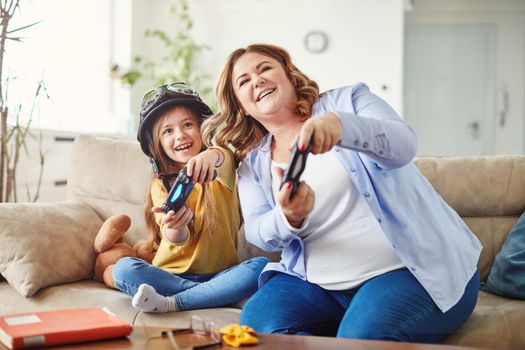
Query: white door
[[449, 87]]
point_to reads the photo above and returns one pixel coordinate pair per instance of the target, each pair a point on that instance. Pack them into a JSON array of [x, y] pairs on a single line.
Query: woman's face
[[179, 134], [262, 86]]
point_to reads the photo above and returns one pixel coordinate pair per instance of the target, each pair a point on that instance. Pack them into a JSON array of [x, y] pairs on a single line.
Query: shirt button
[[356, 142], [379, 220], [413, 268], [367, 194], [380, 152], [352, 170], [393, 246], [365, 145]]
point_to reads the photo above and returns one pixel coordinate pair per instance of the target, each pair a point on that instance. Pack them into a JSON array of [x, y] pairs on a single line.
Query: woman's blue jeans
[[392, 306], [191, 291]]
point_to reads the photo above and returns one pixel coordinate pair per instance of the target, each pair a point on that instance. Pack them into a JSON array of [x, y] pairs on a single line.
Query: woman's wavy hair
[[231, 126]]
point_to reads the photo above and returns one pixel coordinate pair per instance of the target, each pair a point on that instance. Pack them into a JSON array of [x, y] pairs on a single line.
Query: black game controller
[[295, 167], [179, 192]]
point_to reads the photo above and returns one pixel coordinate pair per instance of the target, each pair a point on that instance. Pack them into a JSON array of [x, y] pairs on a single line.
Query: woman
[[369, 249]]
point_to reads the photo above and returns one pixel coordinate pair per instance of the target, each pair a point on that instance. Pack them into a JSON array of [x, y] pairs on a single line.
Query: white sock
[[148, 300]]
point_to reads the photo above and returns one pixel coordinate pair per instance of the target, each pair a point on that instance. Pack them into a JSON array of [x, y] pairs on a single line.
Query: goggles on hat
[[178, 87]]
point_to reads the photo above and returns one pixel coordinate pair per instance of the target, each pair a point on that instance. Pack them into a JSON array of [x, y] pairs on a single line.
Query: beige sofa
[[106, 177]]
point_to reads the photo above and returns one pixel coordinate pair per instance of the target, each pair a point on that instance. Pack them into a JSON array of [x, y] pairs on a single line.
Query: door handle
[[474, 129], [502, 103]]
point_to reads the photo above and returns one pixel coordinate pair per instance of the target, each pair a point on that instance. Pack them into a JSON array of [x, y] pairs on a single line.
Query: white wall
[[366, 44], [56, 148], [365, 37], [508, 16]]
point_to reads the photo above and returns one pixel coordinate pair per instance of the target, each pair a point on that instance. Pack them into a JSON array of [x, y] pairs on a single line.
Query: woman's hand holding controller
[[297, 208], [324, 132]]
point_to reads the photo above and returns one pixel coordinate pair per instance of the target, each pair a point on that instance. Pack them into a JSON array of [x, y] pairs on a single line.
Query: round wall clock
[[316, 41]]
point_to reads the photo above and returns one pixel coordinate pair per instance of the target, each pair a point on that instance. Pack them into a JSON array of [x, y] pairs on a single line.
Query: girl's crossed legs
[[191, 291]]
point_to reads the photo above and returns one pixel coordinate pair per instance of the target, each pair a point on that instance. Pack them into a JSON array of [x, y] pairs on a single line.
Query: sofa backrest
[[487, 192], [112, 176]]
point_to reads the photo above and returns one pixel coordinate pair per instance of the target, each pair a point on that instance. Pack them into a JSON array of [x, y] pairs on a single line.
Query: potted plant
[[177, 62], [13, 137]]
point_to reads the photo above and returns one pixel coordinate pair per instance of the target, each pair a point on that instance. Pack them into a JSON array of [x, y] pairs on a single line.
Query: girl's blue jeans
[[191, 291], [392, 306]]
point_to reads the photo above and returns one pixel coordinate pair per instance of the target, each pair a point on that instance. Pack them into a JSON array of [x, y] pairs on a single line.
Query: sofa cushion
[[507, 276], [478, 186], [112, 177], [496, 323], [91, 293], [85, 293], [491, 231], [221, 316], [45, 244]]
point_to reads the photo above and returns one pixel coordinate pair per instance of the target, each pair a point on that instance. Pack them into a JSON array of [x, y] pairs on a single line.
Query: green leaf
[[19, 39], [22, 28], [176, 59], [130, 77]]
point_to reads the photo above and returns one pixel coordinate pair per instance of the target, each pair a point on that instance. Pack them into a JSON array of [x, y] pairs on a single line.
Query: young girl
[[196, 263]]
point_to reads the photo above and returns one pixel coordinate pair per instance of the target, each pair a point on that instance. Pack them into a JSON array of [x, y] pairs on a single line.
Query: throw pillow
[[507, 276], [43, 244]]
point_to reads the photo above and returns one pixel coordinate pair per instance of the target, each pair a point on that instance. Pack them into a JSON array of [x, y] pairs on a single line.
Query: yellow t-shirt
[[216, 247]]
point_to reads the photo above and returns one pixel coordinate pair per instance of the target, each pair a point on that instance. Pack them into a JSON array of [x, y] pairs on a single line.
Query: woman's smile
[[262, 86], [263, 94]]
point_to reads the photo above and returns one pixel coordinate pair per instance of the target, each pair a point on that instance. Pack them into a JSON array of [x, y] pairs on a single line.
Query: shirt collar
[[265, 144]]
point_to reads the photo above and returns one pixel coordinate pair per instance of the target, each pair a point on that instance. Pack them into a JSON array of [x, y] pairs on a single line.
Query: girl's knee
[[125, 265], [257, 263]]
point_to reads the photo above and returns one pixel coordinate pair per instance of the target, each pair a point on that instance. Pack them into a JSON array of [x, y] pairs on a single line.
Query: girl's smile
[[180, 134]]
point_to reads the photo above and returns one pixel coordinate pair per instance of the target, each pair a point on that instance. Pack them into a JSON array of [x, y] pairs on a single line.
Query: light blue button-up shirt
[[376, 150]]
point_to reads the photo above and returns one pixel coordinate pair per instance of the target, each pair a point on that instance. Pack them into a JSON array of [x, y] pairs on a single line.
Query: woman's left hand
[[324, 132]]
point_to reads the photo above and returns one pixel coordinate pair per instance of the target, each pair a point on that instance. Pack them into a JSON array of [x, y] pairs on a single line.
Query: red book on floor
[[46, 328]]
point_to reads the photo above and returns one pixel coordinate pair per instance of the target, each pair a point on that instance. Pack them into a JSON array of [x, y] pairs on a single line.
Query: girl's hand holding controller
[[201, 168], [175, 223], [297, 208]]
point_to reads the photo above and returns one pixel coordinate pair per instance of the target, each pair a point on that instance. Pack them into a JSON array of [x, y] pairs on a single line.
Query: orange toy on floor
[[110, 247]]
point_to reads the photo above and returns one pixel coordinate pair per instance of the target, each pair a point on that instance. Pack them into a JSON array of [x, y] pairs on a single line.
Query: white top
[[344, 245]]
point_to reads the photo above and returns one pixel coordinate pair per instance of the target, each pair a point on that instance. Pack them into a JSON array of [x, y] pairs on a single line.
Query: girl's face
[[179, 134], [262, 86]]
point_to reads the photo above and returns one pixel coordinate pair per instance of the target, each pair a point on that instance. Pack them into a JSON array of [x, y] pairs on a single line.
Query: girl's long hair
[[230, 127], [166, 166]]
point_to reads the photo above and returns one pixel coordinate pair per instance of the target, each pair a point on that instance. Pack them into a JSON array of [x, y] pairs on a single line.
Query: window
[[71, 50]]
